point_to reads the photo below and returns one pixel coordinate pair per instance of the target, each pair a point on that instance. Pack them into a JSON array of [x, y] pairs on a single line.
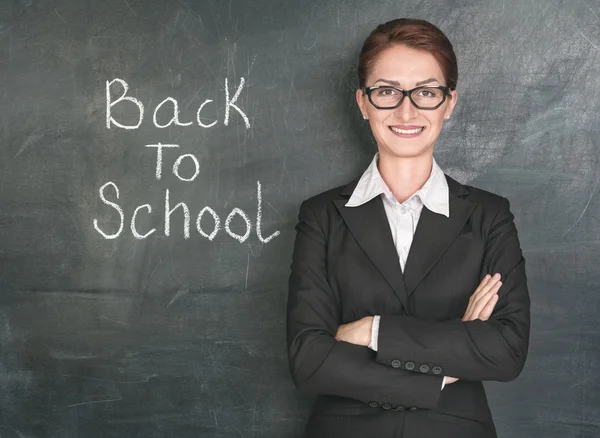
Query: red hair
[[413, 33]]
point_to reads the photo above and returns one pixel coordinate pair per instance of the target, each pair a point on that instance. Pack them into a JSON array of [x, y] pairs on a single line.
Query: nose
[[406, 111]]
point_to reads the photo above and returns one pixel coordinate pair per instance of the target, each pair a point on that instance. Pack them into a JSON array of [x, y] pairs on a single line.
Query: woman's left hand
[[357, 332]]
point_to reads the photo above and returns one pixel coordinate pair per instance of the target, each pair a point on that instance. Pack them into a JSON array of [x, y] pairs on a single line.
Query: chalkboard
[[125, 313]]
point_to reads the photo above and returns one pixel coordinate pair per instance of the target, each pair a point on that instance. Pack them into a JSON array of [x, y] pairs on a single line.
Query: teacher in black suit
[[407, 288]]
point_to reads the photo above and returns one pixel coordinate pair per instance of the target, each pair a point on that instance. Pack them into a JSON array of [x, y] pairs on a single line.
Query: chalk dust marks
[[95, 401]]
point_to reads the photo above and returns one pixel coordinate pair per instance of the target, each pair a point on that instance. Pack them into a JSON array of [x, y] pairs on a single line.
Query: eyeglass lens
[[425, 97]]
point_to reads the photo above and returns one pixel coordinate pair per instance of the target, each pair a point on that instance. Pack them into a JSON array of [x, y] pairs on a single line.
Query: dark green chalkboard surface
[[153, 156]]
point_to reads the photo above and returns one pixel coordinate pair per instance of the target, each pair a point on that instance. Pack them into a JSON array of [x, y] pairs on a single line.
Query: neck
[[404, 176]]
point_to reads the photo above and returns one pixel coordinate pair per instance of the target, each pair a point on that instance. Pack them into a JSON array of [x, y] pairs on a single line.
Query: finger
[[483, 282], [487, 284], [489, 290], [486, 312], [484, 289], [481, 303], [490, 283], [475, 307]]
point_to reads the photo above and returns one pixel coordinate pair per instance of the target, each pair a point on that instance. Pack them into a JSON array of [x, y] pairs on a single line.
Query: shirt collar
[[434, 194]]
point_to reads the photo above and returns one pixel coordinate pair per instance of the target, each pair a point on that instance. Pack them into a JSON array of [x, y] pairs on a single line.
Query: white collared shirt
[[402, 217]]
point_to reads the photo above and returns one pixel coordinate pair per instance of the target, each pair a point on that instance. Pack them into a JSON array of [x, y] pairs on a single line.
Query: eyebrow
[[396, 83]]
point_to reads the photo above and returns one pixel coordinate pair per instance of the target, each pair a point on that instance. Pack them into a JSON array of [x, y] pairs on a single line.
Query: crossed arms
[[471, 350]]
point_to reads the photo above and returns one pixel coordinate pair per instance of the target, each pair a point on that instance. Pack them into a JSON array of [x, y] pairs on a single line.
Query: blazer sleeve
[[318, 362], [472, 350]]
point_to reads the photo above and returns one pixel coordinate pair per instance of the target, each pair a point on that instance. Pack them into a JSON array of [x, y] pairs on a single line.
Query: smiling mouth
[[407, 131]]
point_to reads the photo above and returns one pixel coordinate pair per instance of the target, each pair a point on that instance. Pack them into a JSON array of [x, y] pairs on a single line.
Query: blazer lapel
[[435, 233], [370, 228]]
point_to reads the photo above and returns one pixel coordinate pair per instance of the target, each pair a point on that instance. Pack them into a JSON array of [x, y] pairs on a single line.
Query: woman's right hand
[[481, 304]]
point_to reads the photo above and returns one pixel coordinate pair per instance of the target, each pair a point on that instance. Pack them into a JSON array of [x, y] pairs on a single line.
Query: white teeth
[[406, 131]]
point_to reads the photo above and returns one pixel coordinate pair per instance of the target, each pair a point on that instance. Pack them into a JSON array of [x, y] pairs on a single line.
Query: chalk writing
[[166, 114], [168, 212], [170, 105]]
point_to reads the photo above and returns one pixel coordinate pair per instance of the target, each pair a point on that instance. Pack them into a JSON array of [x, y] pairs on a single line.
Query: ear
[[361, 98], [453, 98]]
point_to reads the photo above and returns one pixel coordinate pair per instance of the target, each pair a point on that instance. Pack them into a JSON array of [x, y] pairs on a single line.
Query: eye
[[427, 92], [386, 91]]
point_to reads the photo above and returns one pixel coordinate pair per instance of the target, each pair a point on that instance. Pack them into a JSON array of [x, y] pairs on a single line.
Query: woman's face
[[394, 129]]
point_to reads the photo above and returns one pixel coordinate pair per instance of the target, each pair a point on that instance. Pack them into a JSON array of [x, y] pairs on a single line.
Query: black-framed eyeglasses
[[427, 97]]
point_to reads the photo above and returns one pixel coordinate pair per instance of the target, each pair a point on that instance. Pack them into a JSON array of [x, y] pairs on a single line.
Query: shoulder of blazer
[[487, 201], [455, 189]]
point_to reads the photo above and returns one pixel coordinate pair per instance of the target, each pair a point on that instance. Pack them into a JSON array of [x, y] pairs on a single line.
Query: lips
[[407, 129]]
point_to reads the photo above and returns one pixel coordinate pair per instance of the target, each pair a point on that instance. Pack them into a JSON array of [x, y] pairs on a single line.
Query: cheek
[[381, 132], [437, 121], [377, 122]]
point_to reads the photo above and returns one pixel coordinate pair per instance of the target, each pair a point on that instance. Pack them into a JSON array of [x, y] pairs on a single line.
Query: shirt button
[[409, 365], [437, 369], [424, 368], [396, 363]]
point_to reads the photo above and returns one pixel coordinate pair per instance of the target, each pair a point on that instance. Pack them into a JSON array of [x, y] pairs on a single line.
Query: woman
[[397, 342]]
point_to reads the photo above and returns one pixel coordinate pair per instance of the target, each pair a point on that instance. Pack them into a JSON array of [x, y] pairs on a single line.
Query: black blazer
[[345, 267]]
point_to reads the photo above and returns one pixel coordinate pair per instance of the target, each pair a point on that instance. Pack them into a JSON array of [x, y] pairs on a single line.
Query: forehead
[[405, 65]]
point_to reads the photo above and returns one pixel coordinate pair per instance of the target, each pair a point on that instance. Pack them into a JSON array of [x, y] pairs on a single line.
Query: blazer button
[[409, 365], [396, 363], [386, 406], [399, 408], [424, 368], [437, 369], [413, 408], [373, 404]]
